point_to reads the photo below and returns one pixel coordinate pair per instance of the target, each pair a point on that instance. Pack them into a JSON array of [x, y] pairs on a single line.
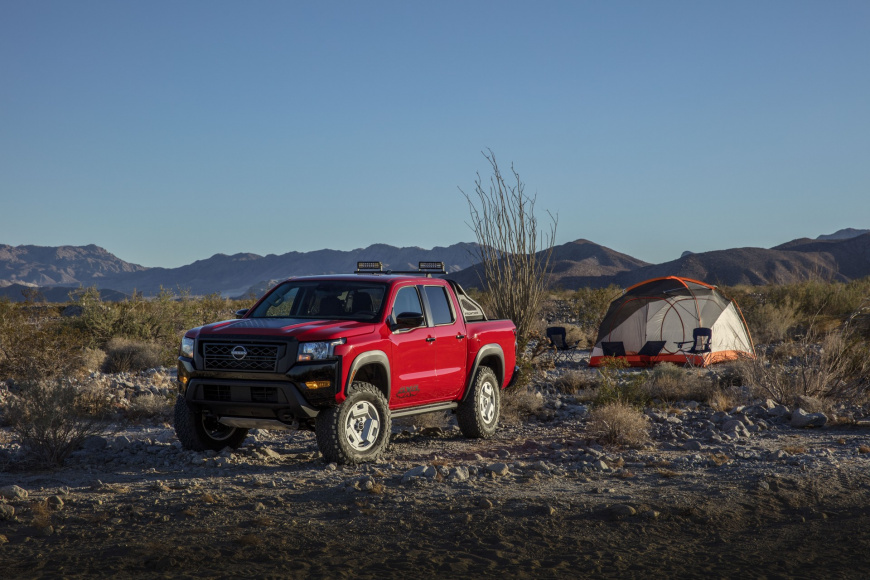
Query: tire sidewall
[[484, 376], [331, 427]]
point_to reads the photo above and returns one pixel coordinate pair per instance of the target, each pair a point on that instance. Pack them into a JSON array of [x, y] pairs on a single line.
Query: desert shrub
[[573, 382], [53, 418], [520, 402], [150, 407], [618, 423], [126, 355], [771, 322], [591, 305], [617, 387], [34, 346], [833, 366], [93, 359], [668, 382]]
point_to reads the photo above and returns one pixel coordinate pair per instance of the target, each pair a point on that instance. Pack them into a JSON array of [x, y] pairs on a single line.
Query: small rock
[[7, 512], [426, 471], [485, 504], [3, 540], [332, 467], [693, 445], [13, 492], [551, 511], [801, 419], [650, 515], [458, 474], [55, 502], [498, 468], [621, 510], [259, 507]]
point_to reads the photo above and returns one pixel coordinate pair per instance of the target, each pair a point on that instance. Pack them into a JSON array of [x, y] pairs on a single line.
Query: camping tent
[[675, 320]]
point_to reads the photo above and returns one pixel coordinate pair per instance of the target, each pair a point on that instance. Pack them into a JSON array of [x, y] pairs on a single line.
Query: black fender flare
[[485, 351], [369, 357]]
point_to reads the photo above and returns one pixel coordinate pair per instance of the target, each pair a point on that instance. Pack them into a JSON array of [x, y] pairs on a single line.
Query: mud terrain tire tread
[[330, 427], [468, 414], [192, 435]]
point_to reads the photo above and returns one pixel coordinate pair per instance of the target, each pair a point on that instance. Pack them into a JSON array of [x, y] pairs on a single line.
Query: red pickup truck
[[343, 355]]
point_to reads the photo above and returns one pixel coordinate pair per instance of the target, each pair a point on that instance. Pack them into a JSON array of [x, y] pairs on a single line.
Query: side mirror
[[408, 320], [241, 313]]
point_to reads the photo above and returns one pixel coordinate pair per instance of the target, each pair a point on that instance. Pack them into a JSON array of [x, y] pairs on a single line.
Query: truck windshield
[[330, 299]]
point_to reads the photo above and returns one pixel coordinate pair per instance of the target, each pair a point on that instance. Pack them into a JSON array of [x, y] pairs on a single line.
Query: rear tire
[[478, 413], [358, 430], [200, 433]]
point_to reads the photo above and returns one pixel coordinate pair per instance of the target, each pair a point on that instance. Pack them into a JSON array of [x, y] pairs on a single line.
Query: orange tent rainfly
[[674, 320]]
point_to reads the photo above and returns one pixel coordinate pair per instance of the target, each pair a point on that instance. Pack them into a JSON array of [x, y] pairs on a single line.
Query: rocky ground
[[757, 490]]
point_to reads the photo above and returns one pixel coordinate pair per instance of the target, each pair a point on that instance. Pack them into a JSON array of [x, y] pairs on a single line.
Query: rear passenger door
[[412, 364], [451, 349]]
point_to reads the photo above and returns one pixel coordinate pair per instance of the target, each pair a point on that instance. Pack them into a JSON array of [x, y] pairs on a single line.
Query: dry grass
[[127, 355], [668, 382], [719, 459], [721, 400], [41, 513], [618, 423], [53, 418], [794, 449], [667, 473], [150, 407], [518, 403], [574, 382]]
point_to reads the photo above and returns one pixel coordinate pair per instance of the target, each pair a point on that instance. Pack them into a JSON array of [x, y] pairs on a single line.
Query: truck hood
[[301, 329]]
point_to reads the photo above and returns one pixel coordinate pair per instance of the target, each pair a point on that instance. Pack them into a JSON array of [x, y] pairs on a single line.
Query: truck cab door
[[413, 361], [451, 344]]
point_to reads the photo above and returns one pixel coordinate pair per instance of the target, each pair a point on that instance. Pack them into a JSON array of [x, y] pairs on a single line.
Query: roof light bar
[[439, 266], [368, 266]]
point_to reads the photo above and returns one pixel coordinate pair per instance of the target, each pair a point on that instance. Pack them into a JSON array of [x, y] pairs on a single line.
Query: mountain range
[[54, 271]]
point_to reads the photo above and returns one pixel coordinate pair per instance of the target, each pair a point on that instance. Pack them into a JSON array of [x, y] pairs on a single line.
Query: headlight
[[317, 350], [187, 347]]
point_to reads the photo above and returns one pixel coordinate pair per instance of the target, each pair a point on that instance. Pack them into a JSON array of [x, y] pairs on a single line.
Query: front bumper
[[300, 394]]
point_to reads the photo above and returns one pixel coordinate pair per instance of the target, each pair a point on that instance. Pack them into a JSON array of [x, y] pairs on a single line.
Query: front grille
[[216, 393], [264, 395], [225, 356]]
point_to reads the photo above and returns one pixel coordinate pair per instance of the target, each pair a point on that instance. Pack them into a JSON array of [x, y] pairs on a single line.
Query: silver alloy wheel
[[362, 426], [216, 430], [486, 403]]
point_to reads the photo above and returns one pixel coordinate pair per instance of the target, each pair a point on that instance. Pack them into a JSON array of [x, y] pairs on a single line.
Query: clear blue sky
[[170, 131]]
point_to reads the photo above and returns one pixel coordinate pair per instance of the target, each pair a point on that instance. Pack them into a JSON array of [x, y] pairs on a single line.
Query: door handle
[[430, 339], [460, 336]]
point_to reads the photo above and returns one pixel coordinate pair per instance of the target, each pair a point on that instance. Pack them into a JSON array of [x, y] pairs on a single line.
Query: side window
[[438, 302], [407, 300]]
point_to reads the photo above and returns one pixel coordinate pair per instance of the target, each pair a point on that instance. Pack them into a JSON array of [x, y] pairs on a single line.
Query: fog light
[[318, 384]]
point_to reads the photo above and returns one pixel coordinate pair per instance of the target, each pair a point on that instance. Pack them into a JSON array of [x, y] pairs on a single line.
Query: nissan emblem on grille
[[239, 352]]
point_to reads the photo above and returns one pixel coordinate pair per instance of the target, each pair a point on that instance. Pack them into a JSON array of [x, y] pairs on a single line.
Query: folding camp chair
[[613, 348], [702, 343], [558, 341], [649, 350]]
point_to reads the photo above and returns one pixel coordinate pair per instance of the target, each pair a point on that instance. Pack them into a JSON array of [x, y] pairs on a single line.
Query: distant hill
[[235, 275], [842, 256], [844, 234], [74, 266], [62, 265], [575, 264], [583, 263]]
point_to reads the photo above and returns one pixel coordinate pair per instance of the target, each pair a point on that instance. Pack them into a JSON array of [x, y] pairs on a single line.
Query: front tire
[[197, 432], [358, 430], [478, 413]]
